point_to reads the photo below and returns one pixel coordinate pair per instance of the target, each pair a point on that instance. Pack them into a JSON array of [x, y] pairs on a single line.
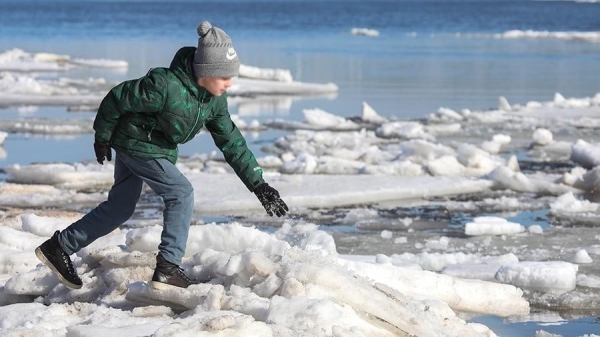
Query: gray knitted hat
[[215, 56]]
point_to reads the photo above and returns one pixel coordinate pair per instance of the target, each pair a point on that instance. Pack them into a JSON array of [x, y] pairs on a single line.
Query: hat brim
[[228, 69]]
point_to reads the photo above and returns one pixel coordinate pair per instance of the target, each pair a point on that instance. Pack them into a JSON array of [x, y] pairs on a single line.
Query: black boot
[[53, 256], [168, 275]]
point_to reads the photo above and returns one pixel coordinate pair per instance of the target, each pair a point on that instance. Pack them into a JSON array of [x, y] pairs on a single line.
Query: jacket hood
[[181, 66]]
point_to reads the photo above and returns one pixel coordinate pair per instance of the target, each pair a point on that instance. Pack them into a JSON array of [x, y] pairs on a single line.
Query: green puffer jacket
[[148, 118]]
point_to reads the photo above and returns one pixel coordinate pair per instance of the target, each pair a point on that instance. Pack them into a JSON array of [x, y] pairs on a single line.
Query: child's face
[[215, 85]]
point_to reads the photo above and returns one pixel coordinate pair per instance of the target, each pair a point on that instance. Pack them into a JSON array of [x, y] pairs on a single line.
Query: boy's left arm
[[231, 142]]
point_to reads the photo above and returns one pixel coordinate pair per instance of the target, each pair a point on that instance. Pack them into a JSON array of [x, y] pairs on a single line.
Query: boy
[[144, 120]]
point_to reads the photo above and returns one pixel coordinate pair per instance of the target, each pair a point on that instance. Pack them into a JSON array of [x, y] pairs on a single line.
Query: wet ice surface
[[503, 196]]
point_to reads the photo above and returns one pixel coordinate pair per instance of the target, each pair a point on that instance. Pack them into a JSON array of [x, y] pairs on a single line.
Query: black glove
[[269, 198], [102, 151]]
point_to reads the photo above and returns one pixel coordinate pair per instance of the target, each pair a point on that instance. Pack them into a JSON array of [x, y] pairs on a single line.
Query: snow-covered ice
[[21, 83], [364, 32], [591, 36]]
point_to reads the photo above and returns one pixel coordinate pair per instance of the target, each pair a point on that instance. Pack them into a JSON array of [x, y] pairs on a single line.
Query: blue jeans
[[165, 179]]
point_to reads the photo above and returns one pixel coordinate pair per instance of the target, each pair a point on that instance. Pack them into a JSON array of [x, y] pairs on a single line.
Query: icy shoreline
[[291, 280]]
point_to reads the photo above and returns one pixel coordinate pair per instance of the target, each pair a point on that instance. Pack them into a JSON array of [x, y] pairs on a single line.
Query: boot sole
[[40, 255], [164, 286]]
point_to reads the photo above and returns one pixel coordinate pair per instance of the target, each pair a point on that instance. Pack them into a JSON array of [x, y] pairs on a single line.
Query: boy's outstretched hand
[[270, 199]]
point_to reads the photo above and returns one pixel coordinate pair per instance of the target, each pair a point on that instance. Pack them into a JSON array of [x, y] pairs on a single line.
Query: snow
[[591, 36], [568, 203], [364, 32], [492, 226], [19, 86], [515, 34], [259, 283], [282, 75], [292, 279], [551, 276], [581, 256]]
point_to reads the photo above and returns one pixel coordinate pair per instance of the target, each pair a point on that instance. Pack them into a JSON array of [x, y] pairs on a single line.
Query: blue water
[[574, 328], [397, 73], [245, 18]]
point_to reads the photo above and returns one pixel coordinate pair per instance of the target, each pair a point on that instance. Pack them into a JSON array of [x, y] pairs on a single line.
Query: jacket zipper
[[201, 101], [149, 131]]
